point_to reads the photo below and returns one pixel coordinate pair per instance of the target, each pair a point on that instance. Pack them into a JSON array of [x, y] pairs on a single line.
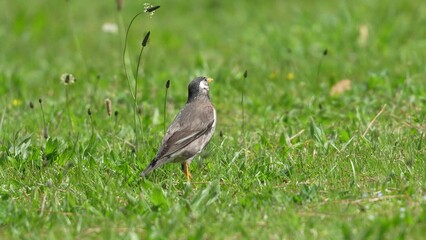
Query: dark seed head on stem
[[45, 133], [31, 105], [40, 101], [68, 78], [89, 112], [119, 4], [245, 74], [108, 106], [152, 9], [116, 113], [146, 38], [168, 84], [49, 182], [325, 52]]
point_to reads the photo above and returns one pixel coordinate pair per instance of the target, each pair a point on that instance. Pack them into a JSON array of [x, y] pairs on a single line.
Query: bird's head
[[199, 87]]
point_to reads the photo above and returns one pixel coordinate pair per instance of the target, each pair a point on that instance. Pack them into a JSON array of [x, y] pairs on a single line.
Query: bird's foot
[[185, 168]]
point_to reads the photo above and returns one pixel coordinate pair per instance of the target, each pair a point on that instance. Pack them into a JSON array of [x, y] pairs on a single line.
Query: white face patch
[[204, 85]]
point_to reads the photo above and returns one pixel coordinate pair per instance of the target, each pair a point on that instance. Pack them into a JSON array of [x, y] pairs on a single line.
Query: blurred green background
[[311, 164]]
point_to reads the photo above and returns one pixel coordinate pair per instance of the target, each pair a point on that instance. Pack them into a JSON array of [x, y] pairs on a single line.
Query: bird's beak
[[209, 80]]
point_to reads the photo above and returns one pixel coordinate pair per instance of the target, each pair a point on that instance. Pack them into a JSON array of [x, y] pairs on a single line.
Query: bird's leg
[[185, 169]]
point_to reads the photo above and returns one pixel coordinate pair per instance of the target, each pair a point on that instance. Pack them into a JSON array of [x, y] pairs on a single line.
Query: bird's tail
[[148, 169], [155, 163]]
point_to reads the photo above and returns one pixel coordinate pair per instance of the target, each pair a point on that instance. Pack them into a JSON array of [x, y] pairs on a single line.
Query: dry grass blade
[[372, 121]]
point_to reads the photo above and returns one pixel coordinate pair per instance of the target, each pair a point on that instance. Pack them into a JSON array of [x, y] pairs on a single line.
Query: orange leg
[[185, 168]]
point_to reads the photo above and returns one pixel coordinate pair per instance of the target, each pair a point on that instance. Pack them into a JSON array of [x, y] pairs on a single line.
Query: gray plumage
[[190, 131]]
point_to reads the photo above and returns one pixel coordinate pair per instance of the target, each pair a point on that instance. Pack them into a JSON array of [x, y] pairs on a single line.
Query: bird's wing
[[191, 123]]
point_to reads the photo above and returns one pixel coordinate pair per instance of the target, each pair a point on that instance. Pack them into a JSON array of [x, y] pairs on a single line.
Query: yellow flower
[[290, 76], [16, 102]]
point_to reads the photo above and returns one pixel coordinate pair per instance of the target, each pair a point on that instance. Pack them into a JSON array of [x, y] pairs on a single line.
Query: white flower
[[110, 27], [146, 6], [67, 78], [150, 9]]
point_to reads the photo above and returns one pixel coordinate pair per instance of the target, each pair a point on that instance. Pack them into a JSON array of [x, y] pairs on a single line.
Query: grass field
[[334, 105]]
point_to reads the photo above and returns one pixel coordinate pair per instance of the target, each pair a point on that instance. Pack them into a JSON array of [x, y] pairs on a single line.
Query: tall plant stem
[[68, 109], [242, 110], [135, 101]]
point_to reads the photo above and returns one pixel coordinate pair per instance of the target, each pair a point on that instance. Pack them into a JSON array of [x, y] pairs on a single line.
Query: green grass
[[315, 166]]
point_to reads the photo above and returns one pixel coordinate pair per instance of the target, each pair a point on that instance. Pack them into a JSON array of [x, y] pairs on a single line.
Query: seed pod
[[146, 38], [119, 4], [108, 106], [45, 133], [325, 52], [152, 9]]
